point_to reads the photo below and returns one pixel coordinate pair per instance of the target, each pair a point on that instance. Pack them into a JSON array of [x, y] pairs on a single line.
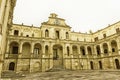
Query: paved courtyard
[[72, 75]]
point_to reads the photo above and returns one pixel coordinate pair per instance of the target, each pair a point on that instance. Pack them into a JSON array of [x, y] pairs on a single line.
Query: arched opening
[[12, 66], [100, 65], [117, 64], [91, 65], [82, 50], [98, 50], [75, 50], [67, 35], [89, 50], [46, 33], [114, 46], [68, 51], [105, 48], [46, 50], [57, 56], [14, 46], [26, 49], [37, 49]]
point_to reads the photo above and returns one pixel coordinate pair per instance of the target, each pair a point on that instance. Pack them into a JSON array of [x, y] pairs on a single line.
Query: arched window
[[82, 49], [46, 33], [67, 35], [98, 50], [114, 46], [105, 48], [89, 50]]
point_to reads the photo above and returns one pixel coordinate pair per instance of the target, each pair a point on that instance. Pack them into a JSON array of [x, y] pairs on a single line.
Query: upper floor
[[56, 28]]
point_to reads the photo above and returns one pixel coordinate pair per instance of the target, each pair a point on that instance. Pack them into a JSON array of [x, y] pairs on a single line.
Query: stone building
[[6, 16], [54, 45]]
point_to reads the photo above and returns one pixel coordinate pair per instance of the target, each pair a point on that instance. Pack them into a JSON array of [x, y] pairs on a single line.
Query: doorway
[[12, 66], [57, 56]]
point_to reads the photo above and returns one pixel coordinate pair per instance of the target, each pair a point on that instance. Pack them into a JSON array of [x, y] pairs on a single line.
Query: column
[[43, 49], [102, 51], [32, 49], [78, 49], [109, 48], [20, 49], [86, 51], [64, 51], [94, 50]]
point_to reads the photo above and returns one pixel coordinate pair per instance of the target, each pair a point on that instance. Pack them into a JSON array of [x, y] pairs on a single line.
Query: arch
[[98, 50], [89, 50], [74, 50], [91, 65], [67, 35], [12, 66], [114, 46], [100, 65], [117, 64], [14, 47], [26, 47], [46, 49], [46, 33], [37, 49], [105, 48], [82, 50]]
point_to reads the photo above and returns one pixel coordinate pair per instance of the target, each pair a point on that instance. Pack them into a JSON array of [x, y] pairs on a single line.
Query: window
[[57, 34], [104, 35], [113, 50], [67, 35], [15, 50], [36, 51], [96, 39], [105, 51], [46, 33], [16, 32], [117, 30], [27, 35]]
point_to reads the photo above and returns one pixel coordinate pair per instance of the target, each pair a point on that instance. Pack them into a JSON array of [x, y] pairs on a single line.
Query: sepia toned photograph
[[59, 39]]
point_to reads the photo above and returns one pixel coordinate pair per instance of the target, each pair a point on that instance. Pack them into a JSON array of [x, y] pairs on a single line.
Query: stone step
[[10, 74]]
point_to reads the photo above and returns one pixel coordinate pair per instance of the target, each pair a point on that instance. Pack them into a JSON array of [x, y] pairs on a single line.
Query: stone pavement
[[72, 75]]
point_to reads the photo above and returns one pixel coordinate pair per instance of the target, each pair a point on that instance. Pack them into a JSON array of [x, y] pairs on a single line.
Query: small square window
[[16, 32]]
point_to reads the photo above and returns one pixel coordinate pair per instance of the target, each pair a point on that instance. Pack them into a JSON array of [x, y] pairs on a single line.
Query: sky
[[81, 15]]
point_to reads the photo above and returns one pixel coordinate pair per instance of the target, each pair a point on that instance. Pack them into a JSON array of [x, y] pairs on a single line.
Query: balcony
[[13, 56]]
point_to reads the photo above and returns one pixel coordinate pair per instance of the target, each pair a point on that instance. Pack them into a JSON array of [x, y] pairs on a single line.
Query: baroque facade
[[54, 45]]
